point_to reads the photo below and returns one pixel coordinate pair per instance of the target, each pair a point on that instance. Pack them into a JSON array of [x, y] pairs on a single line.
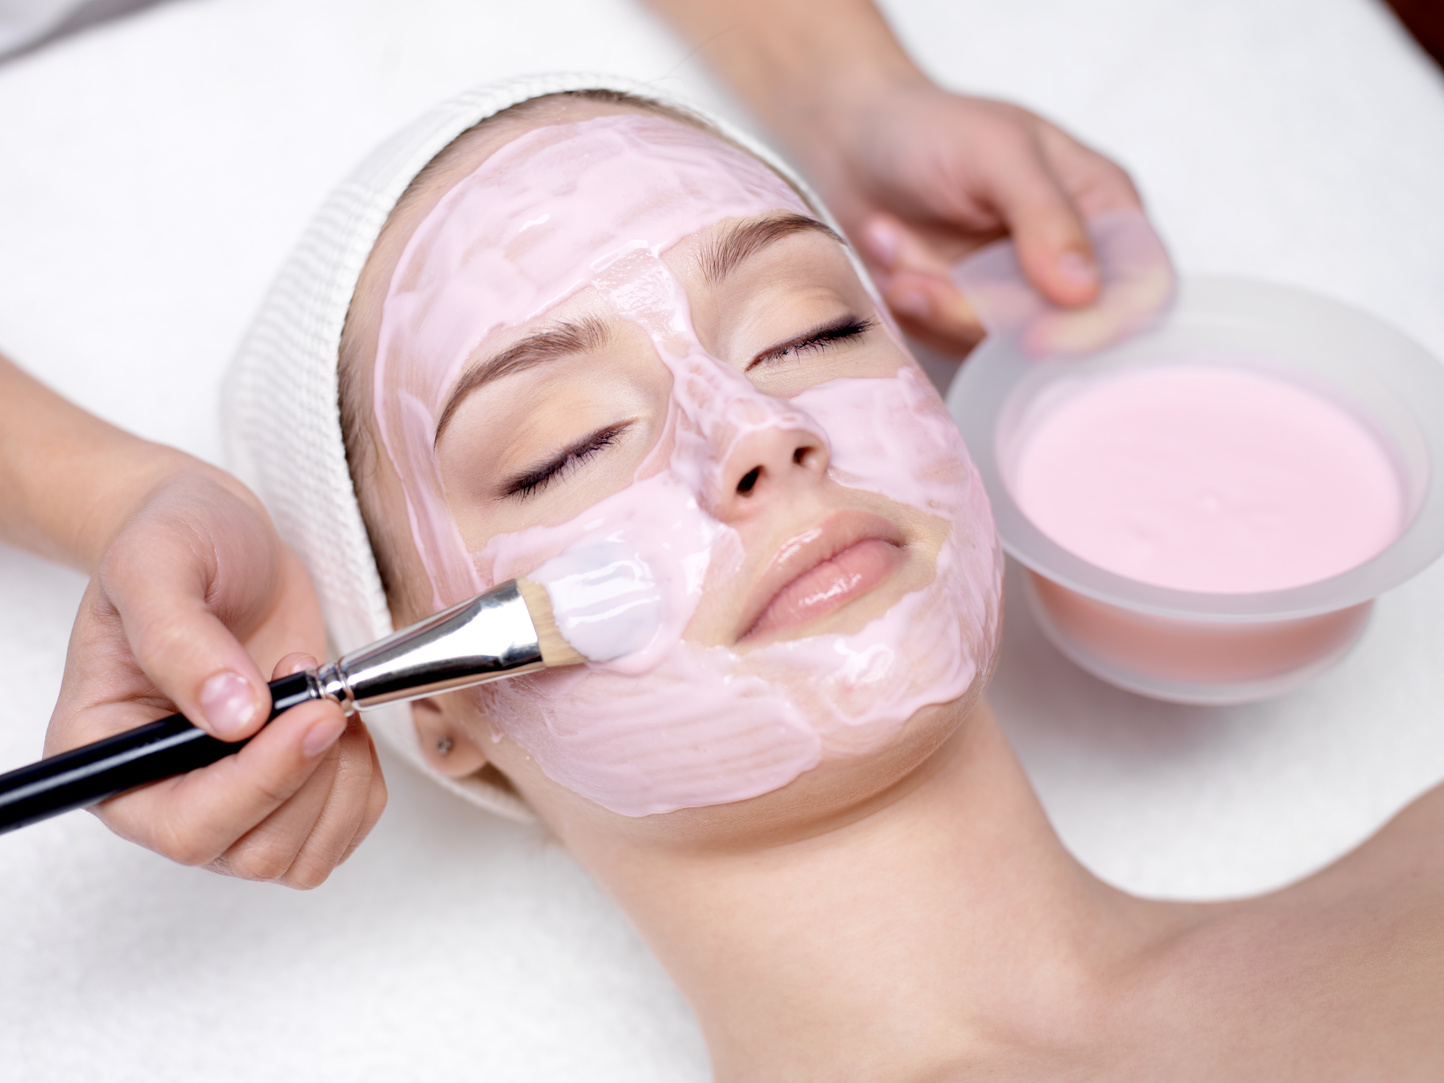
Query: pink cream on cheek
[[545, 216], [676, 725]]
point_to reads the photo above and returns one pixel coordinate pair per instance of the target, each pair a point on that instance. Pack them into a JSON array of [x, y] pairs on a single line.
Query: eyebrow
[[549, 345], [745, 240], [719, 259]]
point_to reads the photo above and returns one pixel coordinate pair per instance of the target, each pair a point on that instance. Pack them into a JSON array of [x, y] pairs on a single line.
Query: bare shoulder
[[1340, 976], [1398, 871]]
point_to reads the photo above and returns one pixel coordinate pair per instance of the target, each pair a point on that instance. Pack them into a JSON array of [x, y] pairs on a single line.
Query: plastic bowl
[[1193, 647]]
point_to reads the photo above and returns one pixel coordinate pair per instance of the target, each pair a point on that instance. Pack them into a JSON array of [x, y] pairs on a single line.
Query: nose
[[766, 465]]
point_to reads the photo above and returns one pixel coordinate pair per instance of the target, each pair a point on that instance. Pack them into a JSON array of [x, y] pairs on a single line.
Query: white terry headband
[[281, 414]]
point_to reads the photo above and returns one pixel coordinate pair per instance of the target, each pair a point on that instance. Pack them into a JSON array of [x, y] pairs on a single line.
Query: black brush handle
[[149, 753]]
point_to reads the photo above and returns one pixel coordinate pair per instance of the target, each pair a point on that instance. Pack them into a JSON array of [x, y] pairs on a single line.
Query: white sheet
[[154, 173]]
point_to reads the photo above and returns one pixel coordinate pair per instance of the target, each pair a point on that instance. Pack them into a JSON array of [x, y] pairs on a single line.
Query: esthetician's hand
[[195, 588], [919, 177]]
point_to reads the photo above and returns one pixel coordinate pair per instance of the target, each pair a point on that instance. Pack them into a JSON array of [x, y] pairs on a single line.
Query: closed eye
[[534, 481], [817, 340]]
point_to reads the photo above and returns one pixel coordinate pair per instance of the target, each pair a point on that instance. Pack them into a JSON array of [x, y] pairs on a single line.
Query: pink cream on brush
[[1207, 478], [673, 724]]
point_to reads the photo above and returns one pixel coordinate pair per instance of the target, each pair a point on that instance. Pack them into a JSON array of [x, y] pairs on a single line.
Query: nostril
[[749, 479], [800, 455]]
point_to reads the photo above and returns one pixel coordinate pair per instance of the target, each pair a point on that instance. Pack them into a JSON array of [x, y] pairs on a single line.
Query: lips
[[821, 570]]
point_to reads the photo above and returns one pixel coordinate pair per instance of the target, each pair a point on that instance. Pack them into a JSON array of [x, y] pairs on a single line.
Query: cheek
[[900, 443], [696, 731], [491, 443], [702, 726]]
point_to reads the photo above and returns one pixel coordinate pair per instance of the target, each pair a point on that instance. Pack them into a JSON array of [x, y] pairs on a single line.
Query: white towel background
[[152, 175]]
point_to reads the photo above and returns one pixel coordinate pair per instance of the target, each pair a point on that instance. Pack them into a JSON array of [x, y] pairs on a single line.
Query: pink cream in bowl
[[1208, 509]]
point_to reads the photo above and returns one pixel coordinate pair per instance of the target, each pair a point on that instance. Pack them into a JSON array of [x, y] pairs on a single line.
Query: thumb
[[182, 587], [1052, 243]]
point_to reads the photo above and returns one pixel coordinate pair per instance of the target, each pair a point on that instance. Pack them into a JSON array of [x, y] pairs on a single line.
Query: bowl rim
[[989, 385]]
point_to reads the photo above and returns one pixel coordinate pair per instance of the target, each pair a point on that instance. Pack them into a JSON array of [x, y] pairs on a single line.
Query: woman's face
[[619, 335]]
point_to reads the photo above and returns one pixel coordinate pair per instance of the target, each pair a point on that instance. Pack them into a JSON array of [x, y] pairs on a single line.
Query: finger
[[295, 662], [197, 816], [932, 311], [300, 843], [102, 691], [375, 804], [1046, 227], [343, 823], [913, 279], [269, 849], [162, 581], [1095, 184], [889, 246], [1127, 302]]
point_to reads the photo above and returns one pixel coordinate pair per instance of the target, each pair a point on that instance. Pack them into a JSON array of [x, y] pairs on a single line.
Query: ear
[[445, 741]]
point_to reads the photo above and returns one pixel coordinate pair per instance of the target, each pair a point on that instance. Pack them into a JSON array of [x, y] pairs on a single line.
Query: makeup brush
[[509, 630]]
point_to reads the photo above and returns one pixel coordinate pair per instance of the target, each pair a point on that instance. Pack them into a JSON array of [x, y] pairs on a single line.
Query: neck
[[947, 928]]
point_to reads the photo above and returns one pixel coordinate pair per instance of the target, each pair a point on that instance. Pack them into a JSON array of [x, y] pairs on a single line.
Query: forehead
[[552, 211]]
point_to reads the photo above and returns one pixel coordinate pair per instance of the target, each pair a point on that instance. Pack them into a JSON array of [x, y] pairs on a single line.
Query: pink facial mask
[[673, 724]]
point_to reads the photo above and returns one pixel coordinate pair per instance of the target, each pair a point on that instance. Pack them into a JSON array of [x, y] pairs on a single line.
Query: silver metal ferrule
[[480, 640]]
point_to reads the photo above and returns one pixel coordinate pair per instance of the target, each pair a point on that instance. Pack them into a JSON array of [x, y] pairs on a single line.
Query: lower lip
[[829, 586]]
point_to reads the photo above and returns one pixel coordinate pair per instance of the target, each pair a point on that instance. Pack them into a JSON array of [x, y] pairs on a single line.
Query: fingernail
[[911, 303], [883, 242], [302, 663], [323, 734], [228, 703], [1077, 269]]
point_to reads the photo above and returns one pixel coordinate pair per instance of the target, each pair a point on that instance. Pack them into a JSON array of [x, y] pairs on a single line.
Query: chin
[[837, 791]]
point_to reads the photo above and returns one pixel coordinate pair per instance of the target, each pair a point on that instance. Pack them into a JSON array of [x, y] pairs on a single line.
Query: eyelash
[[532, 483], [529, 484], [849, 327]]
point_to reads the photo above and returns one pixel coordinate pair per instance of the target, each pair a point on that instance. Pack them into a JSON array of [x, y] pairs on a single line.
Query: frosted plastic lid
[[1035, 352]]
